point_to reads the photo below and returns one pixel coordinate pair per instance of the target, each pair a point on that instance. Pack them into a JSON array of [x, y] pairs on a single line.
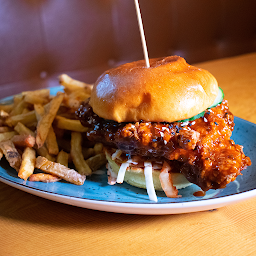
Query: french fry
[[44, 177], [28, 163], [71, 84], [59, 170], [69, 124], [45, 123], [39, 111], [24, 140], [23, 130], [3, 114], [37, 97], [6, 107], [11, 154], [26, 118], [98, 148], [1, 154], [25, 111], [51, 142], [62, 158], [7, 135], [17, 99], [4, 129], [18, 109], [97, 161], [88, 152], [43, 151], [74, 99], [77, 156]]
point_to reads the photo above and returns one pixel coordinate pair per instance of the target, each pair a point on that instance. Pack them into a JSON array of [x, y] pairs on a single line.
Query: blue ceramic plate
[[97, 194]]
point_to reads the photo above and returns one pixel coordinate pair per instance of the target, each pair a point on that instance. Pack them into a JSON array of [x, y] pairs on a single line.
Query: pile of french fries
[[41, 138]]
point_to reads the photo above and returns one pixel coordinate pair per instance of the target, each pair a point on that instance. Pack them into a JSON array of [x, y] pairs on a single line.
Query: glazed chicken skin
[[200, 149]]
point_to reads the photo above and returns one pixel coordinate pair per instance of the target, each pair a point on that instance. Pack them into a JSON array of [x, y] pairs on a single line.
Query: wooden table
[[30, 225]]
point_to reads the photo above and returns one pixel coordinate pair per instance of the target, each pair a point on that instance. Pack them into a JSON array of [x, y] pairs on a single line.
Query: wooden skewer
[[142, 34]]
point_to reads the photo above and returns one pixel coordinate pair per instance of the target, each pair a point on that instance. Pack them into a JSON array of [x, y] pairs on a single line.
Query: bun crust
[[136, 178], [168, 91]]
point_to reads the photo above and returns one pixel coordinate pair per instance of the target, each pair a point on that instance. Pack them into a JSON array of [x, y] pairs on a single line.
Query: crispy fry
[[88, 152], [74, 99], [43, 151], [71, 84], [1, 154], [23, 130], [25, 111], [97, 161], [7, 135], [62, 158], [24, 140], [18, 109], [39, 111], [37, 97], [76, 154], [51, 142], [3, 114], [59, 170], [4, 129], [26, 118], [45, 123], [98, 148], [6, 107], [11, 154], [69, 124], [28, 163], [17, 99], [44, 177]]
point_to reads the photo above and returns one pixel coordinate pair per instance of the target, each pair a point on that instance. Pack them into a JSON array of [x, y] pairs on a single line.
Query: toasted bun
[[136, 177], [167, 91]]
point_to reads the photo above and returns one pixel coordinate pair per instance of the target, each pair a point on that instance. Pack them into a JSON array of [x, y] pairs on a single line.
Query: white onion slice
[[166, 182], [111, 175], [121, 173], [117, 154], [149, 181]]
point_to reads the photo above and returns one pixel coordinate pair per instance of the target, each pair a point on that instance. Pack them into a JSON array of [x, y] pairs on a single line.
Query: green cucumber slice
[[193, 117], [217, 101]]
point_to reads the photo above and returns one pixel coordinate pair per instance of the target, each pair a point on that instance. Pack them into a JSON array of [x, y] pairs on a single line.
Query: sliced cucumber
[[193, 117], [217, 101]]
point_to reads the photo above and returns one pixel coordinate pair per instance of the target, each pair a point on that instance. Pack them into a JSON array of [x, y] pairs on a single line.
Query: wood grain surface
[[30, 225]]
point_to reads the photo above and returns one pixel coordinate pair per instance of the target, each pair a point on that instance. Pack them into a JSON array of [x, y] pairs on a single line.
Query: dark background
[[39, 39]]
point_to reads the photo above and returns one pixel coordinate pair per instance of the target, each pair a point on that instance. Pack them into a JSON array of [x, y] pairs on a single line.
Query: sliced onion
[[166, 181], [149, 181], [111, 175], [117, 154], [121, 173]]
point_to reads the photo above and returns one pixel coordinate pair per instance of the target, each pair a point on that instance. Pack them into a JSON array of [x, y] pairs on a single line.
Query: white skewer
[[142, 34]]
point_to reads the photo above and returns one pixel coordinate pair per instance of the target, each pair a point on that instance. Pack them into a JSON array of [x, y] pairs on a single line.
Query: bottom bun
[[135, 176]]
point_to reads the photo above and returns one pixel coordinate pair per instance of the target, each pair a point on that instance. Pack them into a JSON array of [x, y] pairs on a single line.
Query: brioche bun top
[[169, 90]]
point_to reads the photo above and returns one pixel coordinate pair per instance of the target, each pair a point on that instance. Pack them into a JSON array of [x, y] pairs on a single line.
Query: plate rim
[[149, 208]]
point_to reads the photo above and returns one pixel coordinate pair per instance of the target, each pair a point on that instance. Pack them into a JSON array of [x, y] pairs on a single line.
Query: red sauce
[[199, 193]]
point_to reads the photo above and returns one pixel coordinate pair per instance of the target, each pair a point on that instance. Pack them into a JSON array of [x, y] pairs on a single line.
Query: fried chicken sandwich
[[163, 127]]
